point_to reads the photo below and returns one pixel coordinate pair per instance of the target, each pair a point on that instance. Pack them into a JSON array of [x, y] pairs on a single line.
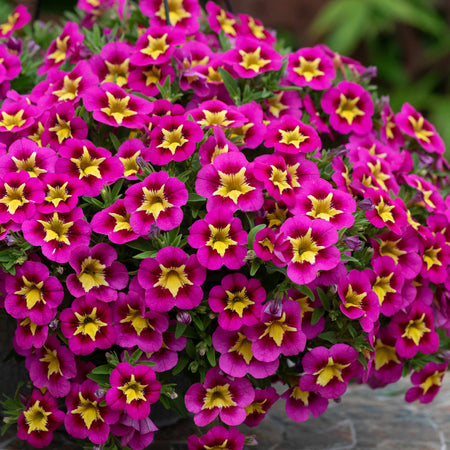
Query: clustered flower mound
[[181, 194]]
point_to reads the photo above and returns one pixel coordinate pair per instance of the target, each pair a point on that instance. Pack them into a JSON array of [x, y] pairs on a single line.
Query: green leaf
[[94, 201], [182, 363], [256, 263], [324, 299], [230, 84], [362, 359], [329, 336], [179, 330], [316, 315], [147, 254], [252, 233], [198, 322], [101, 380], [224, 41], [195, 198], [105, 369], [135, 356], [211, 355], [305, 290], [114, 141], [147, 363]]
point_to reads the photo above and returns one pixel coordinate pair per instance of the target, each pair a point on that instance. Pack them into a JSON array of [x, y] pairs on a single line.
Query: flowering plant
[[180, 193]]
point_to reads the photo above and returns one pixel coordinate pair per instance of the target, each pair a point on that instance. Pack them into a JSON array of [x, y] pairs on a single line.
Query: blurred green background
[[407, 40]]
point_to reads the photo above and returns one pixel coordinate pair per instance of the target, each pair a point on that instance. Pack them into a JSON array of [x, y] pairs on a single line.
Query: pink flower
[[220, 240], [350, 107], [16, 20], [166, 357], [221, 20], [214, 146], [219, 396], [300, 405], [10, 65], [212, 113], [426, 383], [133, 389], [217, 437], [312, 67], [28, 334], [137, 434], [157, 199], [128, 152], [16, 115]]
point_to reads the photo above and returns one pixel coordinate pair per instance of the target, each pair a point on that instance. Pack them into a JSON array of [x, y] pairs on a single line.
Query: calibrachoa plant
[[181, 195]]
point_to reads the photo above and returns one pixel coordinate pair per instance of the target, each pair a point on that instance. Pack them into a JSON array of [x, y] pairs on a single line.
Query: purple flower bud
[[32, 48], [184, 317], [201, 348], [154, 232], [9, 240], [251, 441], [173, 395], [425, 160], [100, 393], [342, 150], [140, 161], [353, 242], [275, 307], [53, 325], [14, 45], [60, 270], [369, 73], [366, 204], [383, 101]]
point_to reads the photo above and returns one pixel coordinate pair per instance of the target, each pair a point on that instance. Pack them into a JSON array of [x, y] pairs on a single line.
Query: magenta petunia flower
[[251, 57], [62, 125], [57, 233], [166, 357], [212, 113], [86, 417], [228, 184], [251, 134], [319, 200], [237, 359], [112, 65], [10, 65], [128, 152], [254, 28], [28, 334], [156, 200], [183, 14], [300, 405], [98, 274], [61, 193], [221, 20], [358, 299], [390, 132], [17, 115], [414, 331], [215, 145], [277, 334], [429, 195], [171, 279], [39, 419], [327, 371], [311, 248], [350, 108], [114, 222], [136, 434], [145, 79], [62, 48], [220, 240], [93, 166], [426, 383], [269, 246], [87, 325], [133, 389], [32, 293], [219, 396], [136, 327], [412, 123], [284, 103], [111, 105], [312, 67], [19, 194], [156, 46], [51, 367], [174, 139], [217, 437], [237, 300], [435, 252], [257, 410]]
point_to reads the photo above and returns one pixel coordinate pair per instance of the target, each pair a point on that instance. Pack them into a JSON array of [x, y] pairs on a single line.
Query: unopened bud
[[184, 317], [100, 393], [60, 270], [369, 73], [140, 161], [366, 204], [6, 419], [9, 240], [172, 395], [193, 366], [154, 231], [53, 325], [275, 307], [201, 348], [338, 151], [353, 242], [251, 440]]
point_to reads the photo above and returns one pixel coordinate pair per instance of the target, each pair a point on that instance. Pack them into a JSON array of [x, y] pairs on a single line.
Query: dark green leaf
[[179, 330], [211, 355], [252, 233], [316, 315], [305, 290], [230, 84]]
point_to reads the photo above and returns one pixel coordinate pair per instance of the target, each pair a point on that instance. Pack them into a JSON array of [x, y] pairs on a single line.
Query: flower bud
[[251, 440], [100, 393], [368, 74], [353, 242], [53, 325], [193, 366], [184, 317], [342, 150], [173, 395], [274, 307], [366, 204], [201, 348]]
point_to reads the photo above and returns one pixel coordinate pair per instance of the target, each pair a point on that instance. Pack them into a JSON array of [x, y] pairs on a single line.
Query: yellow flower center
[[415, 329], [133, 390], [152, 76], [215, 118], [9, 25], [384, 211], [62, 129], [28, 323], [435, 379], [51, 358], [88, 166], [330, 371], [56, 229], [222, 446], [14, 197], [88, 411], [308, 69], [389, 248], [267, 243], [279, 178], [173, 139], [218, 397], [253, 60], [138, 322], [322, 208], [118, 108], [347, 108], [256, 408], [92, 274], [122, 222], [292, 169], [227, 23], [382, 287], [218, 151], [118, 73], [36, 417], [430, 257], [154, 202], [61, 49], [275, 105], [9, 121], [130, 166], [219, 239], [298, 394], [277, 216], [304, 248], [384, 354], [173, 279], [36, 137], [304, 305], [421, 134], [292, 137], [176, 11], [257, 30], [28, 165], [57, 194], [237, 301], [89, 324], [213, 76], [156, 46], [378, 174], [69, 91], [426, 194], [233, 185], [276, 329], [243, 347], [32, 292], [353, 299]]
